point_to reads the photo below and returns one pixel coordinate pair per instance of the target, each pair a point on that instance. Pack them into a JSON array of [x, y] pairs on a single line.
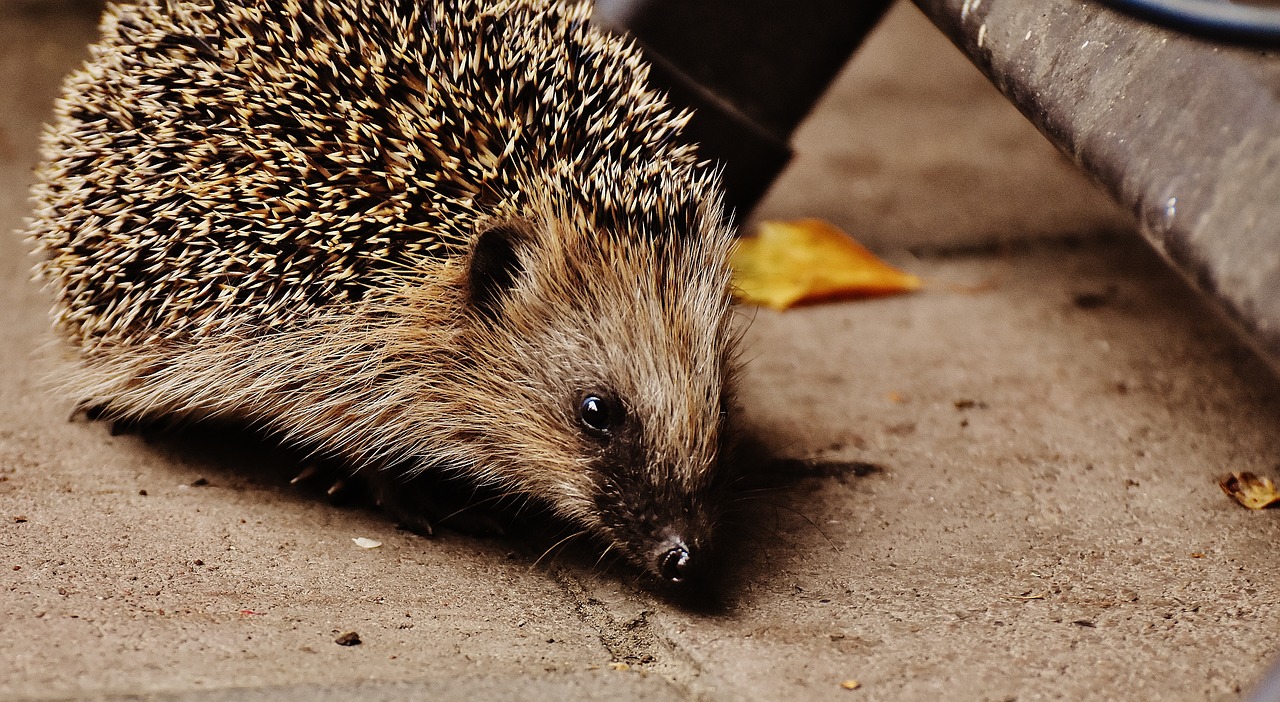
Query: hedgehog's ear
[[494, 266]]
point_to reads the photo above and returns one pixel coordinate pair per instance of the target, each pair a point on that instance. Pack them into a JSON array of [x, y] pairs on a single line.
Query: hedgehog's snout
[[676, 563]]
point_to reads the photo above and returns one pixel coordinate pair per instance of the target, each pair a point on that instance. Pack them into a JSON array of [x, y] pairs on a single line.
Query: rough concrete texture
[[1000, 488], [912, 148]]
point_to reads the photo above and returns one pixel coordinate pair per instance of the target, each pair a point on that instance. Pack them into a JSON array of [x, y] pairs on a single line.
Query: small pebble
[[350, 638]]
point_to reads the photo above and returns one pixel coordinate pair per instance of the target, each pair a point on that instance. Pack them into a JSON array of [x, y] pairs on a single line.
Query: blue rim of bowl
[[1219, 19]]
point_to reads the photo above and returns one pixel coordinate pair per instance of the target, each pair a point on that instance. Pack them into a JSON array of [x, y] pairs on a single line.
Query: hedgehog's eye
[[599, 415]]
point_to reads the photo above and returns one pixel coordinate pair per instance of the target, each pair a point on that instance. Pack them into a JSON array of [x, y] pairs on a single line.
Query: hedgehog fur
[[453, 235]]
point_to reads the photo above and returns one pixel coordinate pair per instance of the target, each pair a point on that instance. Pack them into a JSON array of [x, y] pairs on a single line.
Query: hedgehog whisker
[[809, 521], [471, 505], [603, 554], [561, 542]]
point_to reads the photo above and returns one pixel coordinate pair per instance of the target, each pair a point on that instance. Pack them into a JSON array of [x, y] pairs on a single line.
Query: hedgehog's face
[[622, 350]]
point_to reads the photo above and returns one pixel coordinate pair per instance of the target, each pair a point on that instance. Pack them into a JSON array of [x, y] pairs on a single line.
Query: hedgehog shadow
[[769, 508], [241, 458]]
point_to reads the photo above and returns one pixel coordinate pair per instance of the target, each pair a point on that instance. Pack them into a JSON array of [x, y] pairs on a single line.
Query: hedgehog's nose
[[675, 565]]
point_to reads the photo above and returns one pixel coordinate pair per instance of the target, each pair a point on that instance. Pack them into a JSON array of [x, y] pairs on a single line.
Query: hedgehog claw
[[307, 473], [416, 524], [338, 490], [389, 495]]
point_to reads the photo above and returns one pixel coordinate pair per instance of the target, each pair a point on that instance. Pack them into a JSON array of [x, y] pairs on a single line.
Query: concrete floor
[[1001, 488]]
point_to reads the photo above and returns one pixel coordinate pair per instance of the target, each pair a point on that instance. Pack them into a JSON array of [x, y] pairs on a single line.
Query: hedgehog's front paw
[[419, 502], [117, 423], [90, 409]]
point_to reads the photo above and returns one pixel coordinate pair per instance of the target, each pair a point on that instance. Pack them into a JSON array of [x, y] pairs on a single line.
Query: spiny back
[[224, 163]]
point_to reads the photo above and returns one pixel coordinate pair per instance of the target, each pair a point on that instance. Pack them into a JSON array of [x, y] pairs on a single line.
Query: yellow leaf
[[1250, 490], [786, 263]]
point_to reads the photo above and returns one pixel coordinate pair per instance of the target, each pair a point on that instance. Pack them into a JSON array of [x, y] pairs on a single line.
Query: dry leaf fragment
[[785, 263], [1250, 490]]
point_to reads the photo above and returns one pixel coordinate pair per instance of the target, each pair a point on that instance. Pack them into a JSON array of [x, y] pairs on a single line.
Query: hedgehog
[[455, 237]]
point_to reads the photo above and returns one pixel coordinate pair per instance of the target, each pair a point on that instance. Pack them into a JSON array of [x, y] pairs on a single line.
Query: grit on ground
[[1002, 487]]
